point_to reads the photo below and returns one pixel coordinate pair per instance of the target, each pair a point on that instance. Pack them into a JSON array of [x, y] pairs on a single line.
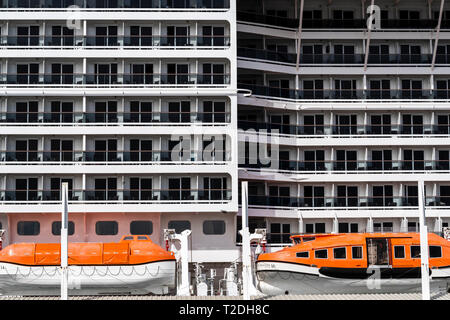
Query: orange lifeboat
[[353, 263], [134, 265]]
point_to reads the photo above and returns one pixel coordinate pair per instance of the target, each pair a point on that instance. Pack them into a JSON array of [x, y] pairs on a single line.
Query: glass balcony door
[[382, 196], [347, 196], [61, 112], [141, 150], [381, 160], [26, 189], [141, 36], [177, 73], [28, 35], [141, 111], [141, 189], [26, 150], [313, 124], [380, 124], [178, 35], [105, 189], [314, 196], [346, 160], [27, 112], [62, 36], [142, 73], [179, 111], [28, 73], [180, 189]]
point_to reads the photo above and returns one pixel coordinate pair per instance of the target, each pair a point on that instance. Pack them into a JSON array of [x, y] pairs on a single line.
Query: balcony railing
[[291, 23], [344, 202], [306, 59], [132, 157], [131, 118], [347, 166], [117, 4], [342, 130], [116, 41], [75, 79], [130, 195], [346, 94]]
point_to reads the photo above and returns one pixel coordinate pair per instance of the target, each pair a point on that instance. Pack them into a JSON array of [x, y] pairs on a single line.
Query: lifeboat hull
[[277, 278], [149, 278]]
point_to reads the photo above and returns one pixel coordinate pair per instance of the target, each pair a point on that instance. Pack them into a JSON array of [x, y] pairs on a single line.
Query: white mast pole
[[423, 243], [64, 241]]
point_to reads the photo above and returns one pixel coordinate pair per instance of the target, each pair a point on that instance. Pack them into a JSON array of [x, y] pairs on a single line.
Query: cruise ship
[[154, 111]]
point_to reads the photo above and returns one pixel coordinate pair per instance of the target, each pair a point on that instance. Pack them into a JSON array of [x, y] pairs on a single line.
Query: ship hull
[[277, 278], [154, 277]]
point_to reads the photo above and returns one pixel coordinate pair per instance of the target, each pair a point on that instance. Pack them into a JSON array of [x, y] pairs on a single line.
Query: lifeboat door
[[378, 252]]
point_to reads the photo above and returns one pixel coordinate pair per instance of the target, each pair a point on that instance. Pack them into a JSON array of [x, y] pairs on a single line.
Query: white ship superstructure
[[140, 106]]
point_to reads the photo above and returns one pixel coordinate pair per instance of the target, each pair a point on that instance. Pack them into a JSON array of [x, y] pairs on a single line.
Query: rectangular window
[[339, 253], [106, 228], [28, 228], [435, 251], [357, 252], [179, 225], [304, 254], [399, 252], [141, 227], [214, 227], [321, 254], [415, 252], [56, 228]]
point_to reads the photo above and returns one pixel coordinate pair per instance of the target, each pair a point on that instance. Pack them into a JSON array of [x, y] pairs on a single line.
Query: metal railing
[[117, 4], [114, 41], [342, 130], [345, 166], [131, 118], [347, 94], [37, 195], [76, 79], [143, 156]]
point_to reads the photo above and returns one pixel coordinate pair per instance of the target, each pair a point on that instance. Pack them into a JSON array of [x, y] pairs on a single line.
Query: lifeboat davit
[[353, 263], [135, 265]]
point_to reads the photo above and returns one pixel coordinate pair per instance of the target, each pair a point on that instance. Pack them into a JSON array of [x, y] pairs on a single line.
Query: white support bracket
[[182, 256]]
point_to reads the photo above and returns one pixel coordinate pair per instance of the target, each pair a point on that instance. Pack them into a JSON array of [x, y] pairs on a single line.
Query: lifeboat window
[[141, 227], [415, 251], [357, 252], [339, 253], [321, 254], [56, 228], [297, 240], [304, 254], [308, 239], [399, 252], [28, 228], [106, 228], [142, 238], [128, 238], [435, 252]]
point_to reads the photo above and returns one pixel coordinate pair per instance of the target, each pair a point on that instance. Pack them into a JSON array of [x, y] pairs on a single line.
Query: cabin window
[[214, 227], [141, 227], [56, 228], [321, 254], [28, 228], [415, 251], [399, 252], [106, 228], [179, 225], [357, 252], [339, 253], [435, 252], [304, 254]]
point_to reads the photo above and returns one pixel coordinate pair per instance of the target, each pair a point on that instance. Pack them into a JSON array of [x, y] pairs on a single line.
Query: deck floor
[[376, 296]]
